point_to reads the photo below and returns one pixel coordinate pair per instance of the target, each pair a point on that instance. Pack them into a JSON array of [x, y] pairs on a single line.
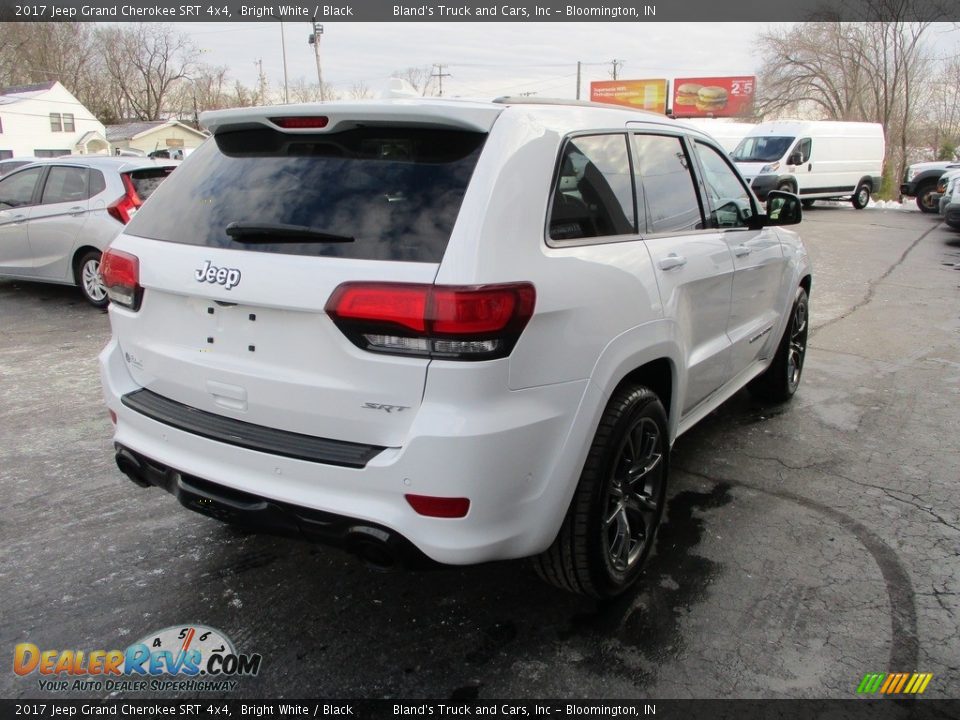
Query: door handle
[[742, 251], [77, 210], [809, 167], [672, 261]]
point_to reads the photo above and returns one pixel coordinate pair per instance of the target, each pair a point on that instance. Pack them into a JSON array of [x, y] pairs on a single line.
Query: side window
[[803, 150], [729, 200], [97, 183], [65, 184], [593, 196], [17, 189], [670, 193]]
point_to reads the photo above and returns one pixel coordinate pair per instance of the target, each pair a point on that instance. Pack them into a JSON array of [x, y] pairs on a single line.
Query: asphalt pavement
[[804, 545]]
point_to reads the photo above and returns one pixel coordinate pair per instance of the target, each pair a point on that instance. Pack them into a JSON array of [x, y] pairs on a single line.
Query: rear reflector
[[479, 322], [441, 507], [121, 276], [113, 416], [297, 123]]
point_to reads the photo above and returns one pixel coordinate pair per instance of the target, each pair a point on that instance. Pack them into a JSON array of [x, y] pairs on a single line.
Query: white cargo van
[[816, 160]]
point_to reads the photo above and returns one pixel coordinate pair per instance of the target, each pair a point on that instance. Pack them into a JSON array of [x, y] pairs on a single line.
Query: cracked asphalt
[[804, 546]]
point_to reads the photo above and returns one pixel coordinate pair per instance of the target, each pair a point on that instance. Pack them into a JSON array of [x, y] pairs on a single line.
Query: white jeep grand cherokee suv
[[446, 330]]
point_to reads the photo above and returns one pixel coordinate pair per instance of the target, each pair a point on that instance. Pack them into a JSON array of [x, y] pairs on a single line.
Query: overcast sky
[[490, 59], [483, 59]]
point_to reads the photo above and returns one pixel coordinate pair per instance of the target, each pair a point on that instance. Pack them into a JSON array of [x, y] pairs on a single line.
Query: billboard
[[713, 96], [637, 94]]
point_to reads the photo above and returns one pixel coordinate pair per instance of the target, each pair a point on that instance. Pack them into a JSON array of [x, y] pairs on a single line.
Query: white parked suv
[[446, 330]]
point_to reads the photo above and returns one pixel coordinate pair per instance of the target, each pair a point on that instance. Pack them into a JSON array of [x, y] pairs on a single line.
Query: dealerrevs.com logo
[[178, 658]]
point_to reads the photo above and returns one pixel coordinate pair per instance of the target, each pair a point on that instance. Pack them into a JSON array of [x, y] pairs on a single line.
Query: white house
[[46, 120]]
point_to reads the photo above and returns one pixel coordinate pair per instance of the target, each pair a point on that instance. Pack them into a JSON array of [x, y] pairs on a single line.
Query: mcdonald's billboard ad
[[637, 94], [713, 96]]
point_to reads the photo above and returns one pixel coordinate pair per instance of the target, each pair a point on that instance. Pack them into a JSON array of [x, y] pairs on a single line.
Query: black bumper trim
[[265, 515], [250, 436]]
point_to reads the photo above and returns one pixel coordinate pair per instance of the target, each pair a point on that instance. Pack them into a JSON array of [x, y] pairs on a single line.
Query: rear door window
[[395, 191], [669, 188], [65, 184]]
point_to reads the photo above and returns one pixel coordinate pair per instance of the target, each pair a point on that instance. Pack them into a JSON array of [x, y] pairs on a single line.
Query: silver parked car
[[57, 216]]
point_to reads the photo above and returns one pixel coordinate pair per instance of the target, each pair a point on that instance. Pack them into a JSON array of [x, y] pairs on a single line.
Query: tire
[[808, 203], [780, 381], [786, 187], [861, 196], [611, 524], [87, 275], [925, 199]]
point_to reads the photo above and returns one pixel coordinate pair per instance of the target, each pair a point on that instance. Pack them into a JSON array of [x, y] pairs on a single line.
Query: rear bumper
[[378, 545], [509, 452]]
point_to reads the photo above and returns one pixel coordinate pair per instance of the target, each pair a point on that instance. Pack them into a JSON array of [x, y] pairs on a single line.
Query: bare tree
[[302, 91], [944, 114], [242, 96], [40, 52], [206, 90], [360, 91], [868, 71], [144, 63], [420, 78]]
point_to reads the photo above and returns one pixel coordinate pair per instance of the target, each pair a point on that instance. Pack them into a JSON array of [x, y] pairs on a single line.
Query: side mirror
[[795, 159], [783, 208]]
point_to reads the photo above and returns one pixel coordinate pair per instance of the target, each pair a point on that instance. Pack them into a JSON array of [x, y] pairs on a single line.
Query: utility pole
[[261, 81], [440, 74], [286, 84], [617, 64], [315, 41], [578, 79]]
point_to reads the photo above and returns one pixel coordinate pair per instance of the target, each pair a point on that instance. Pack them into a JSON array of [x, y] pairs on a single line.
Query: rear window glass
[[147, 180], [395, 191]]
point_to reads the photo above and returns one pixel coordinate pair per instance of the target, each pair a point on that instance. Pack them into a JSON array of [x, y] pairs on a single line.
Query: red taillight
[[124, 208], [465, 323], [440, 507], [404, 305], [121, 276], [299, 123]]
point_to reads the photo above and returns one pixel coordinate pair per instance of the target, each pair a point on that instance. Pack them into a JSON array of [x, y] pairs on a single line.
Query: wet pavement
[[804, 546]]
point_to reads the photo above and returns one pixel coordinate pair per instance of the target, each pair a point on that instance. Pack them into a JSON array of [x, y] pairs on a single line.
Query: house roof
[[128, 131], [25, 89], [131, 131]]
